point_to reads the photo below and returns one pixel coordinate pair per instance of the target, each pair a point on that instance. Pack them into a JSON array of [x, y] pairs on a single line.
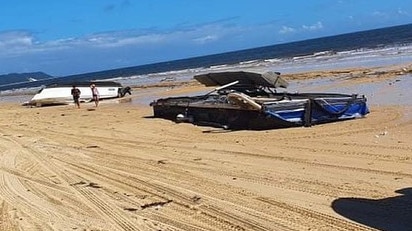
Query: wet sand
[[116, 168]]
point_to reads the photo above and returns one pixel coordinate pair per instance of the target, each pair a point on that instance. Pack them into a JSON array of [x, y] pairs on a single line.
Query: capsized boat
[[60, 94], [248, 100]]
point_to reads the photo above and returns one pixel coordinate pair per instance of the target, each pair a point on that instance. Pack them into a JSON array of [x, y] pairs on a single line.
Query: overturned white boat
[[60, 94]]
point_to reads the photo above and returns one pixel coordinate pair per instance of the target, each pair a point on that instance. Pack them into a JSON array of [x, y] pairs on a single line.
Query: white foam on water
[[325, 60]]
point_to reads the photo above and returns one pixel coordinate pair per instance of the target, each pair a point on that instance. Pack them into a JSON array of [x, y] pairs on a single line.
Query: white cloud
[[132, 41], [15, 43], [59, 54], [287, 30], [107, 39], [391, 14], [402, 12], [316, 26], [15, 38], [379, 14], [205, 39], [19, 43], [157, 45]]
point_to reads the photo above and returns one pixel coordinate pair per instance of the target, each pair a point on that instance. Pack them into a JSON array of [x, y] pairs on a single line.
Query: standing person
[[95, 94], [76, 95]]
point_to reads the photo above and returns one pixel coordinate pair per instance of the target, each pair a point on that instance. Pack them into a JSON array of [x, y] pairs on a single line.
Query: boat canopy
[[268, 79]]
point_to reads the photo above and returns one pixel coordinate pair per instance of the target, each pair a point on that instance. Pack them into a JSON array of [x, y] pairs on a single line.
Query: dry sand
[[116, 168]]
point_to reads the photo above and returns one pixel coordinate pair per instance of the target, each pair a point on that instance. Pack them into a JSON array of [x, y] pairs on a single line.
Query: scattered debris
[[79, 183], [93, 185], [381, 134], [161, 161], [196, 199], [92, 146], [156, 204]]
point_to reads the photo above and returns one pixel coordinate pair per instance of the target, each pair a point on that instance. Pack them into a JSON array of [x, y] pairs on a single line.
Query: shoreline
[[347, 80]]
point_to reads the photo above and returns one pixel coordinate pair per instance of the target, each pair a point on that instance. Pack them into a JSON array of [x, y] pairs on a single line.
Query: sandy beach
[[116, 168]]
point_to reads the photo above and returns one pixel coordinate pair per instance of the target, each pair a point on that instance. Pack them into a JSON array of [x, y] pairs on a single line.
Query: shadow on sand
[[391, 214]]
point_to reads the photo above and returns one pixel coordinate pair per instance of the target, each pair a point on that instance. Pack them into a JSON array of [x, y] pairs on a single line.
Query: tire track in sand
[[183, 204], [327, 221], [113, 218]]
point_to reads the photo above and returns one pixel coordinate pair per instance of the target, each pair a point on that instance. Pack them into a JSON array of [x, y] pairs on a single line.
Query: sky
[[65, 37]]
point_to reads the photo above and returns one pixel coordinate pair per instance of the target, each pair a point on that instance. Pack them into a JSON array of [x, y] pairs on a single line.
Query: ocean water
[[374, 48]]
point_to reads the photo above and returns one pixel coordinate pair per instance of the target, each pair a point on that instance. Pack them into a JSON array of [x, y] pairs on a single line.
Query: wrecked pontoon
[[246, 100]]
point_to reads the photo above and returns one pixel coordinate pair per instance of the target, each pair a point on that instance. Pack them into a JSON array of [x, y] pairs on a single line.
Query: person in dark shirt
[[76, 96]]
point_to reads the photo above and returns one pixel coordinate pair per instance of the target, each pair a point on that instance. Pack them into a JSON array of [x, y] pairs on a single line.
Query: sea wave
[[319, 61], [323, 60]]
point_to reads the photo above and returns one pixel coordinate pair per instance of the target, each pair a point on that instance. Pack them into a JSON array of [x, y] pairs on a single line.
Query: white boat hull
[[62, 94]]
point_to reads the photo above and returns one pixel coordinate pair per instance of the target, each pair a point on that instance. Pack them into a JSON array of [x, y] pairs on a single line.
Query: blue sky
[[64, 37]]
